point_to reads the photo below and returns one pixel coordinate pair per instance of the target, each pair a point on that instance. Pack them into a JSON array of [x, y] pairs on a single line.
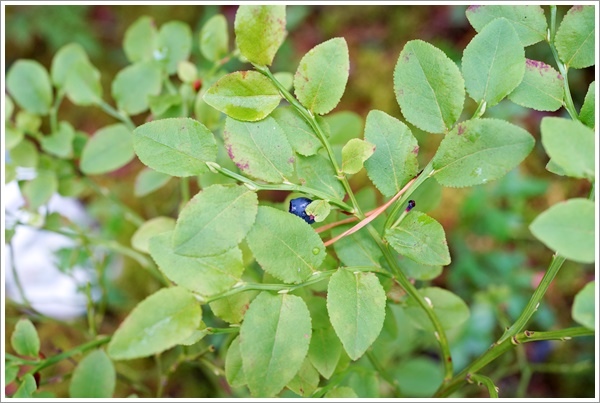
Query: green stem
[[487, 382], [400, 204], [116, 114], [497, 349], [67, 354], [412, 291], [535, 299], [220, 330], [20, 361], [54, 111], [255, 186], [310, 119], [525, 373]]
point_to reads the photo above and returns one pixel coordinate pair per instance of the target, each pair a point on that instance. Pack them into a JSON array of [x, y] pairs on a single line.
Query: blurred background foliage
[[496, 261]]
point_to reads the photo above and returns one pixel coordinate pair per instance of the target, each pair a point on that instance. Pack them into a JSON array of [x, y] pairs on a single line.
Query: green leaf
[[493, 63], [575, 37], [357, 249], [244, 95], [11, 372], [12, 136], [583, 310], [9, 107], [420, 238], [418, 377], [343, 126], [232, 308], [319, 209], [354, 154], [24, 154], [259, 32], [64, 60], [140, 239], [568, 229], [25, 340], [481, 150], [28, 83], [160, 104], [60, 143], [205, 275], [39, 190], [322, 75], [149, 180], [418, 271], [215, 220], [341, 392], [214, 38], [274, 339], [316, 172], [159, 322], [27, 387], [285, 79], [140, 40], [174, 44], [110, 148], [356, 306], [448, 307], [260, 149], [175, 146], [571, 145], [324, 351], [134, 84], [234, 371], [299, 133], [541, 88], [187, 71], [528, 21], [587, 115], [306, 380], [83, 85], [428, 87], [94, 377], [394, 161], [285, 245]]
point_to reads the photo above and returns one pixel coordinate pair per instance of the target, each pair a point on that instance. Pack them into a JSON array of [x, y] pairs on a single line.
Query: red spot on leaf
[[473, 8], [242, 165], [244, 73], [415, 150], [461, 129], [291, 160], [576, 9]]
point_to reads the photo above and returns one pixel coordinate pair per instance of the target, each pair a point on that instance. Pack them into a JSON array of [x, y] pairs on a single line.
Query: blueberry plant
[[314, 296]]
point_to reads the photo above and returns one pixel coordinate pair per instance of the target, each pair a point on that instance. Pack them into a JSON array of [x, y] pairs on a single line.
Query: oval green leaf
[[300, 135], [24, 154], [420, 238], [394, 161], [528, 21], [357, 249], [259, 32], [174, 44], [568, 229], [356, 307], [306, 380], [583, 310], [575, 38], [161, 321], [83, 85], [274, 339], [175, 146], [25, 340], [571, 145], [354, 154], [234, 371], [214, 38], [215, 220], [134, 84], [139, 41], [157, 225], [109, 148], [319, 209], [244, 95], [448, 307], [260, 149], [322, 75], [149, 180], [587, 115], [325, 351], [541, 88], [60, 143], [493, 63], [64, 60], [94, 377], [208, 275], [26, 388], [428, 87], [29, 85], [316, 172], [39, 190], [478, 151], [285, 245]]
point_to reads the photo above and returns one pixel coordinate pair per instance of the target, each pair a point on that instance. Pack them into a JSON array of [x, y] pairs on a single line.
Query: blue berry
[[411, 205], [298, 207]]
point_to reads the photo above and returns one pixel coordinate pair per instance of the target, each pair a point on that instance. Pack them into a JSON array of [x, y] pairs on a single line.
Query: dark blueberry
[[411, 205], [298, 207]]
